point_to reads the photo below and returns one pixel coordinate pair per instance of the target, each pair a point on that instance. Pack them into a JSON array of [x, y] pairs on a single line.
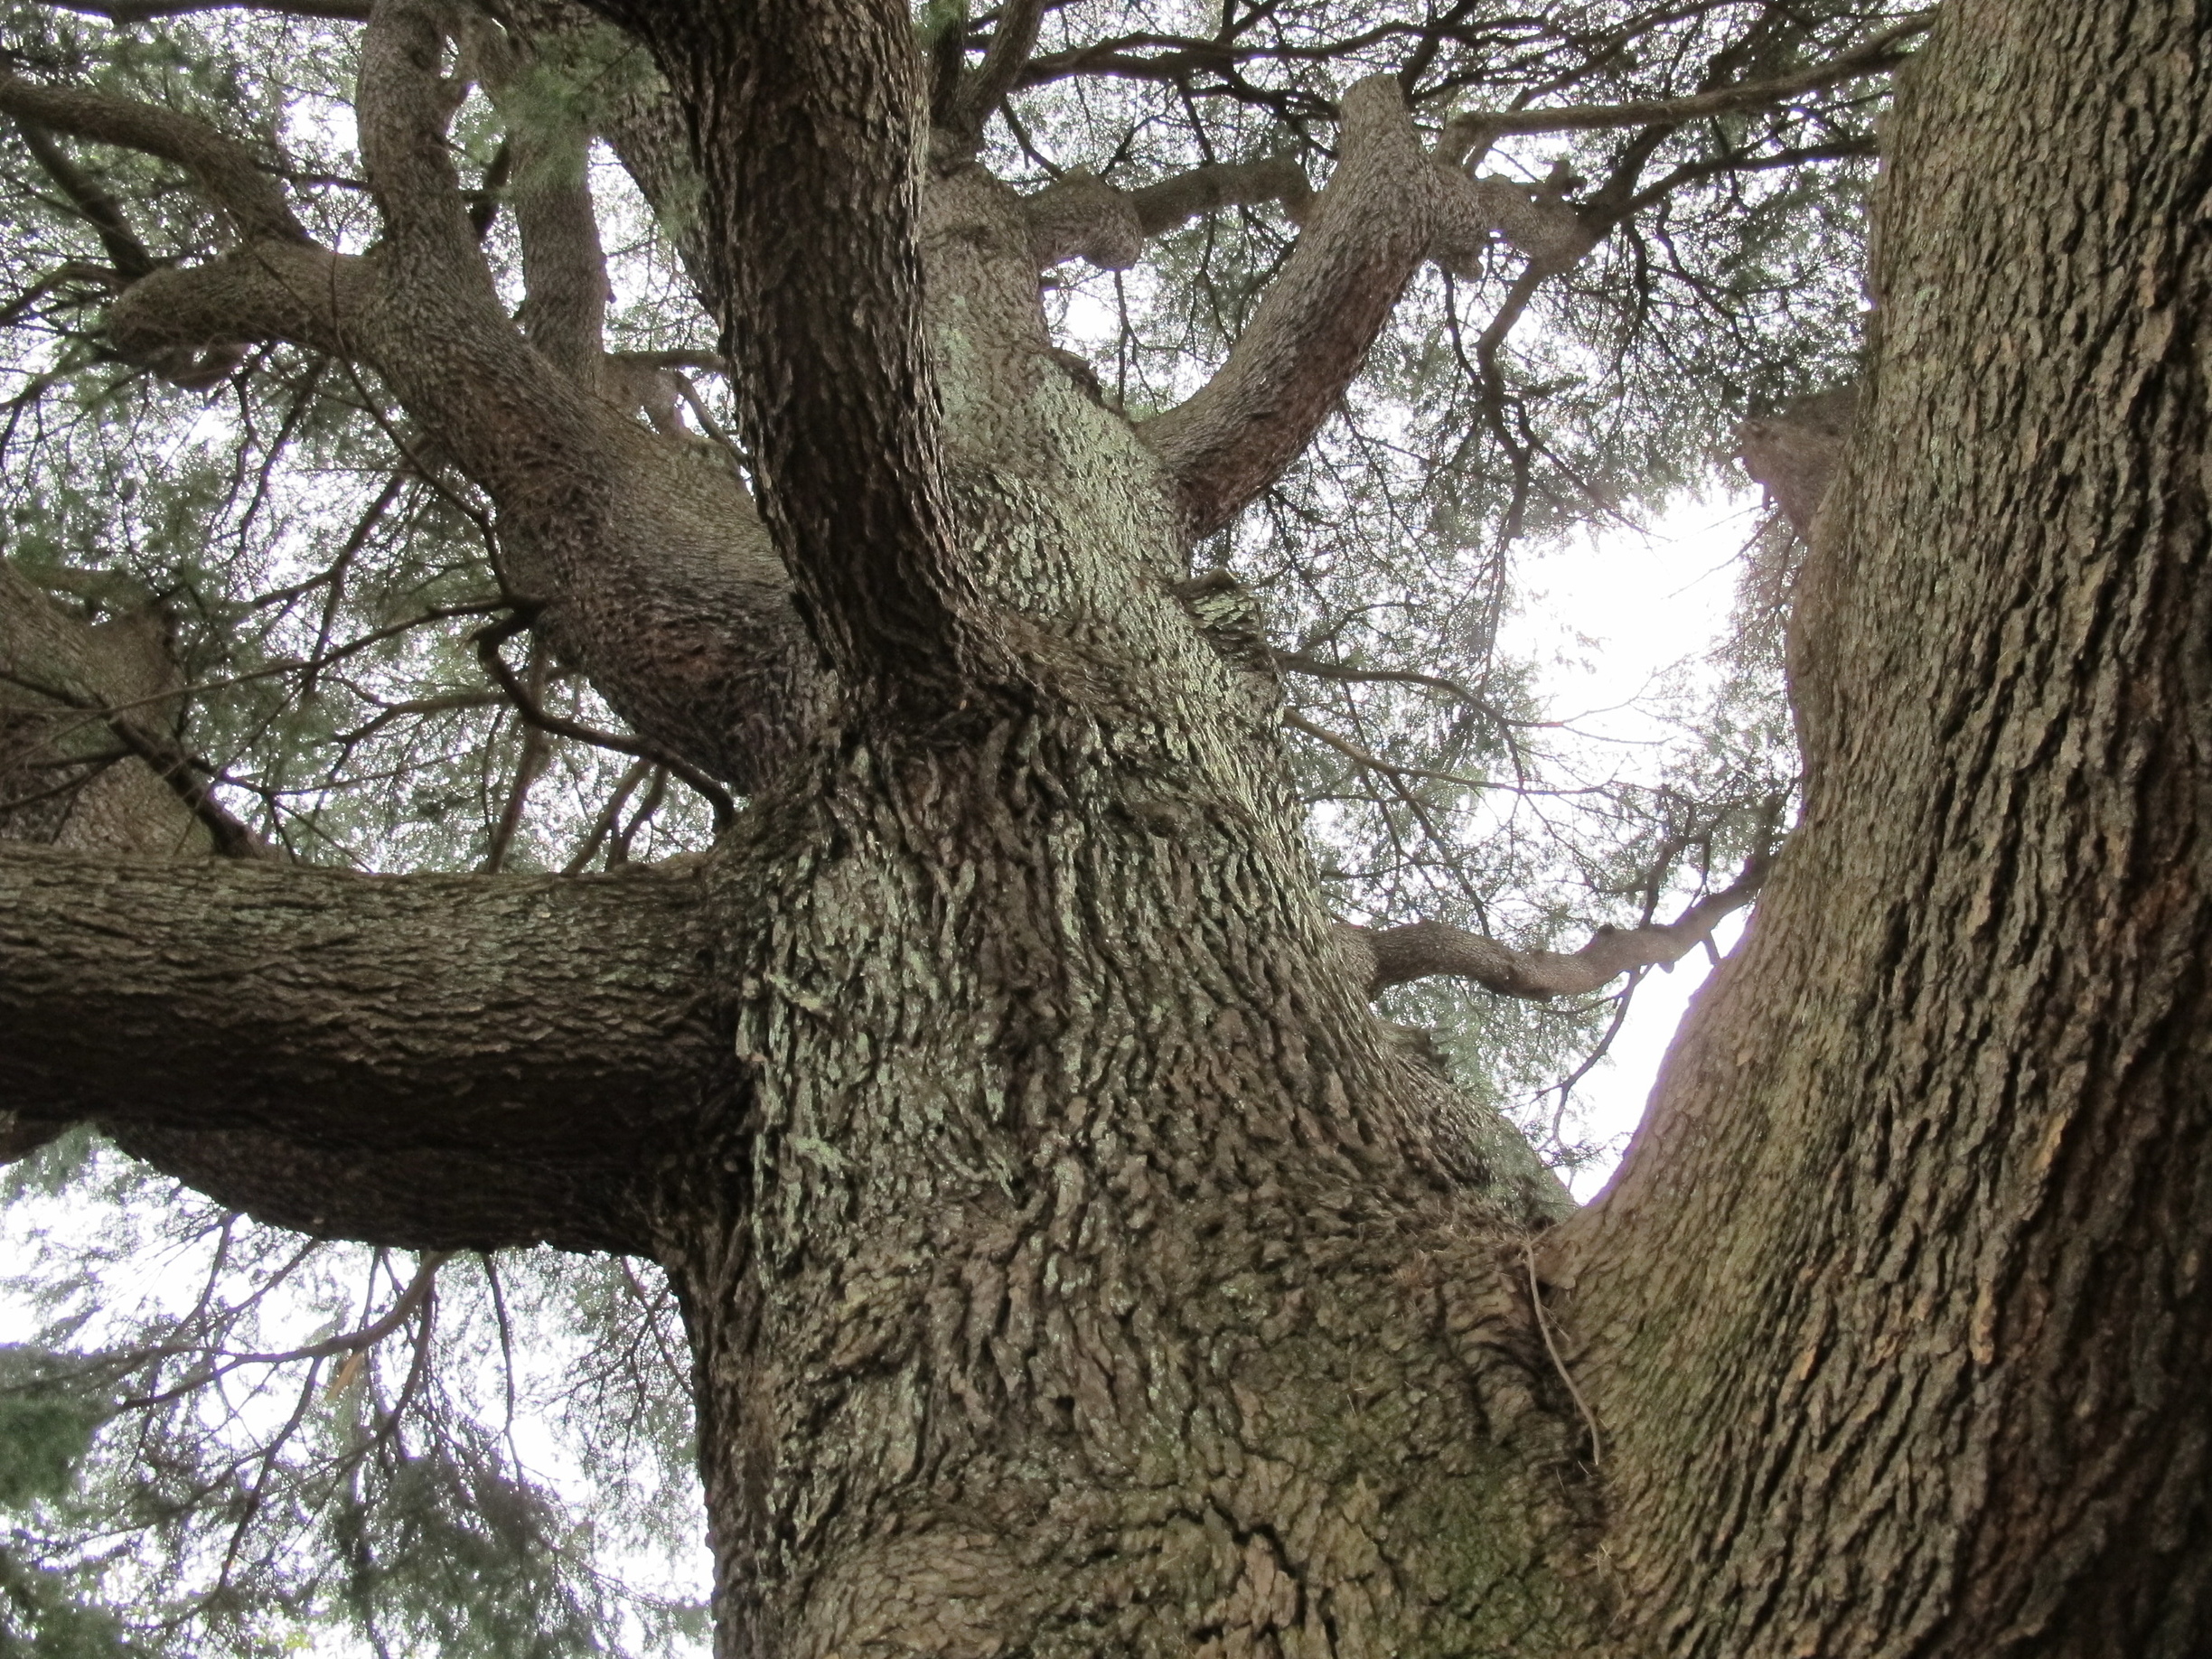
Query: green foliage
[[44, 1434]]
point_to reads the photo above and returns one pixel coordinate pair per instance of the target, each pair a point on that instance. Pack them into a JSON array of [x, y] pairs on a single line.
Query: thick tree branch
[[428, 1059], [564, 267], [224, 169], [645, 560], [1081, 214], [145, 11], [1794, 452], [62, 779], [126, 252], [1173, 201], [402, 108], [978, 95], [1367, 234], [294, 292], [1427, 950], [808, 120]]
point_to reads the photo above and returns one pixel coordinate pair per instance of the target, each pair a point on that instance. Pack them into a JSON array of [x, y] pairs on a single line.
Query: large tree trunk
[[1074, 1265], [1896, 1319], [1085, 1272]]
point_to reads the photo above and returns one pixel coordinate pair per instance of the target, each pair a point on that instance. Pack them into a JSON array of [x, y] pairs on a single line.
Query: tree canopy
[[298, 607]]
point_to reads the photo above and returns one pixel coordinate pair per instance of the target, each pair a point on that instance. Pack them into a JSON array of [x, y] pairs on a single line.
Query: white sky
[[1603, 619]]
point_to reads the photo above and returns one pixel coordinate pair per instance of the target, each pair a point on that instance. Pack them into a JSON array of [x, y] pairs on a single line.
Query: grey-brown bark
[[804, 120], [1072, 1262], [1425, 950], [436, 1060], [639, 557], [84, 709], [1794, 453], [1896, 1318]]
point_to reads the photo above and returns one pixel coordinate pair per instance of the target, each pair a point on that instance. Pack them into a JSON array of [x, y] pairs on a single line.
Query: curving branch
[[1367, 233], [421, 1060], [1430, 950], [294, 292], [807, 115], [224, 171], [402, 108]]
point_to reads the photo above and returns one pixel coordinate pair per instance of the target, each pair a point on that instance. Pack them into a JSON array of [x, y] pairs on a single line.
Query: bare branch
[[536, 716], [1427, 950], [1366, 236], [1080, 213], [1881, 55], [125, 250], [979, 96], [1299, 662]]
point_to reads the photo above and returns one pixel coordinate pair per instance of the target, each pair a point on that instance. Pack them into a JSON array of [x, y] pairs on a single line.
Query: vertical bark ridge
[[1898, 1315]]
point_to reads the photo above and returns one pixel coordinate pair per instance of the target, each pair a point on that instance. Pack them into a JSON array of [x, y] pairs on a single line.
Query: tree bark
[[430, 1061], [1074, 1265], [1896, 1318]]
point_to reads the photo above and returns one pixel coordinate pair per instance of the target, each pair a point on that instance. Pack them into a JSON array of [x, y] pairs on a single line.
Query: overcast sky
[[1640, 604]]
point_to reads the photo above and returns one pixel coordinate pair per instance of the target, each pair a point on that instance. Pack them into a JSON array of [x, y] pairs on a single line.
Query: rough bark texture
[[1089, 1274], [1074, 1261], [804, 119], [66, 778], [1074, 1264], [1896, 1319], [488, 1061]]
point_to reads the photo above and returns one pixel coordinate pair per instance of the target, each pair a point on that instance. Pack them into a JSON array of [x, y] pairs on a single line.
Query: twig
[[488, 642], [1543, 1327]]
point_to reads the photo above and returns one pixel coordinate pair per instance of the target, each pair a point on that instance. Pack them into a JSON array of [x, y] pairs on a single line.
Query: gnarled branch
[[1429, 950]]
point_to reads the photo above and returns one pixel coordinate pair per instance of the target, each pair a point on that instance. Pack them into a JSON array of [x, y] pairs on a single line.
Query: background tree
[[1070, 1260]]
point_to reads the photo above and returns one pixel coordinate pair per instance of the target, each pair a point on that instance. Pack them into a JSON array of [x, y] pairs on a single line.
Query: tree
[[1072, 1260]]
